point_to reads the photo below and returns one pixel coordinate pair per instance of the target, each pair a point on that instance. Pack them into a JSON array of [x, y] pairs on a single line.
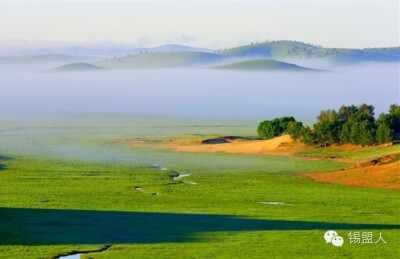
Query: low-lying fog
[[76, 115], [197, 92]]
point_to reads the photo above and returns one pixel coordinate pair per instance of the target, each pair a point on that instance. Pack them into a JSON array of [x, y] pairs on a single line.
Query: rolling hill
[[173, 48], [264, 65], [76, 67], [296, 50], [106, 52], [160, 60]]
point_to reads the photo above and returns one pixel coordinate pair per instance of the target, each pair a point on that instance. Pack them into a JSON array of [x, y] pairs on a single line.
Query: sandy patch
[[281, 145], [370, 174]]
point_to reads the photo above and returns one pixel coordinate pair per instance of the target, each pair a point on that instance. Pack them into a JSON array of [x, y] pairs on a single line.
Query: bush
[[273, 128]]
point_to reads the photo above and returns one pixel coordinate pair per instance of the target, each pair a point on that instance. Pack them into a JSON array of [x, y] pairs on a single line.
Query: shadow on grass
[[3, 158], [53, 227]]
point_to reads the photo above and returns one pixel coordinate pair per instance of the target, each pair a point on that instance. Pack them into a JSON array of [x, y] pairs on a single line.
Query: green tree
[[384, 134], [327, 132], [367, 109], [284, 123], [345, 112], [327, 115], [294, 129], [351, 124], [367, 133], [268, 129], [392, 120], [328, 127], [273, 128], [355, 133], [345, 133], [362, 133], [307, 136]]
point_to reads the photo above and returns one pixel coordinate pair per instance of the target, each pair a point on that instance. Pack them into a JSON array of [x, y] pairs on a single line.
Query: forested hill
[[295, 49]]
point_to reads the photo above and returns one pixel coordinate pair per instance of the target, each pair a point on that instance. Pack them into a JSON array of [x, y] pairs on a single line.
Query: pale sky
[[213, 24]]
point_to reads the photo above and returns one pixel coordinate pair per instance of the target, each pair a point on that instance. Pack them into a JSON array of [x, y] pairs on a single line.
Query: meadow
[[68, 188], [68, 185], [190, 129]]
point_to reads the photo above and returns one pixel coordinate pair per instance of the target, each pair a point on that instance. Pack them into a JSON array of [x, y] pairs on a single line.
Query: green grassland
[[358, 155], [264, 65], [160, 60], [66, 186], [52, 206]]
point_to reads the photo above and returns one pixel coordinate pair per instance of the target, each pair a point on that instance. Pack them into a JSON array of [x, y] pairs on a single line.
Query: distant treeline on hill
[[350, 124]]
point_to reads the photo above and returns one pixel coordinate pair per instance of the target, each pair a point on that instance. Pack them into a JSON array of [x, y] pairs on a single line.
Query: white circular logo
[[329, 235]]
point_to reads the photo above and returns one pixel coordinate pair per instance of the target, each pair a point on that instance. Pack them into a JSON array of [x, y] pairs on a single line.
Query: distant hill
[[296, 50], [160, 60], [51, 58], [264, 65], [112, 52], [175, 48], [76, 67], [169, 56]]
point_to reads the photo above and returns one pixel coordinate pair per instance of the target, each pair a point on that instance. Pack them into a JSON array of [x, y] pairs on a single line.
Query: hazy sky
[[215, 24]]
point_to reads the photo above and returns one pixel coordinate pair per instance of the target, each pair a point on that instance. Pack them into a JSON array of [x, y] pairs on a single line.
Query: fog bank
[[197, 93]]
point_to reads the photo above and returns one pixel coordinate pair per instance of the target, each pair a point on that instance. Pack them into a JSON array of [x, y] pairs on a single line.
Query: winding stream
[[274, 203], [175, 174], [77, 254]]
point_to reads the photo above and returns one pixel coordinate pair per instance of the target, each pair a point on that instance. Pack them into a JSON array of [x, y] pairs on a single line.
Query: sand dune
[[269, 146]]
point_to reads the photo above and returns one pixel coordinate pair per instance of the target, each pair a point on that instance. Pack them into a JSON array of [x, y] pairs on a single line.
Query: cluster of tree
[[350, 124], [273, 128]]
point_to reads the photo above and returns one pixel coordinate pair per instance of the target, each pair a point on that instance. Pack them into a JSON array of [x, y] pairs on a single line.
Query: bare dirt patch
[[377, 173], [283, 145]]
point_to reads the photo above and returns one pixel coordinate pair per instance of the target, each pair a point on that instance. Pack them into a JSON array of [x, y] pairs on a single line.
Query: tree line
[[350, 124]]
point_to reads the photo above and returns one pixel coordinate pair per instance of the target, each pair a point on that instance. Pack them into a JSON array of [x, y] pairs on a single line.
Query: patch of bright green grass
[[53, 206], [357, 155]]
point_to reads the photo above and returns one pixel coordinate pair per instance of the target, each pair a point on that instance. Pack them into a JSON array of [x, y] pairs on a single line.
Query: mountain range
[[107, 52], [270, 55]]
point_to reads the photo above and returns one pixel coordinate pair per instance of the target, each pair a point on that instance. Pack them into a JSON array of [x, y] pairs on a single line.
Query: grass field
[[351, 154], [57, 197], [53, 206]]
